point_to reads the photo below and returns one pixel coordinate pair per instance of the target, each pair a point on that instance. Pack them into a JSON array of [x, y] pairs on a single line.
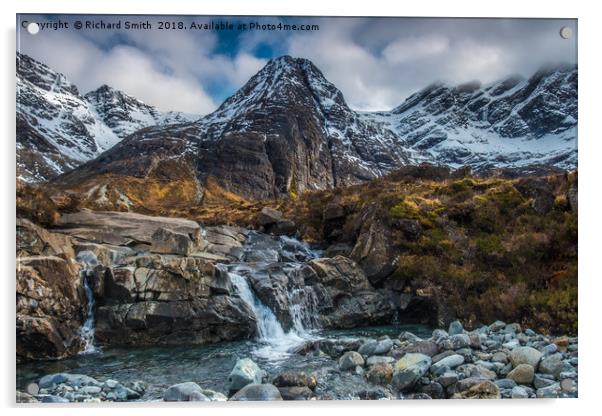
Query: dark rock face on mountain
[[282, 133], [59, 129]]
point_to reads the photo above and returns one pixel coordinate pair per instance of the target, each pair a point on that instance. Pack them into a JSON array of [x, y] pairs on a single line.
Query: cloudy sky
[[375, 62]]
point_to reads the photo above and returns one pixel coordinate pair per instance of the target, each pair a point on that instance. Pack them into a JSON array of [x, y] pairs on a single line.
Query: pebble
[[455, 328], [519, 392]]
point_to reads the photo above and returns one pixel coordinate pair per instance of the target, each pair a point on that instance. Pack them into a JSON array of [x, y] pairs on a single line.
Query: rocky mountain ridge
[[289, 129], [58, 128]]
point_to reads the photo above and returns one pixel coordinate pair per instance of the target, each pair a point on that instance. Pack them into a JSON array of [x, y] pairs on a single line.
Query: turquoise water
[[209, 365]]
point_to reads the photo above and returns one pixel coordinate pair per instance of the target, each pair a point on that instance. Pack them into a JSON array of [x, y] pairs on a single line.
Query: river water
[[209, 365]]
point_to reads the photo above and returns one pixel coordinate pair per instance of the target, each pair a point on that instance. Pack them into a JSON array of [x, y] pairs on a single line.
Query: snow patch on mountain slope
[[58, 129]]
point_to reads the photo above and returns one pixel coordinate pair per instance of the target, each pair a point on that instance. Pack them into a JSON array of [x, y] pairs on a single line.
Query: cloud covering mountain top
[[376, 62]]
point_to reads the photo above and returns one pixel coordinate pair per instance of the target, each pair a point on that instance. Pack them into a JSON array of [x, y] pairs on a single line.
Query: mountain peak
[[104, 88], [549, 69], [42, 76], [283, 79], [108, 93]]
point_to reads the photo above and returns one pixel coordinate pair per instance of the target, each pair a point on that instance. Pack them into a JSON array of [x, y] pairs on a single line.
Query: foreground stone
[[257, 392], [522, 374], [409, 369], [295, 379], [525, 355], [350, 360], [245, 372], [483, 390], [295, 393], [185, 392]]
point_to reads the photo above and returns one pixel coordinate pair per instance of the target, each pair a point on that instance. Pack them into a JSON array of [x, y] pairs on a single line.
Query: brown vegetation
[[494, 248]]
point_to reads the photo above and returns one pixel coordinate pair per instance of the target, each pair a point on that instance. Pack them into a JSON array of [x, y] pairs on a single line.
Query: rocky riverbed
[[496, 361]]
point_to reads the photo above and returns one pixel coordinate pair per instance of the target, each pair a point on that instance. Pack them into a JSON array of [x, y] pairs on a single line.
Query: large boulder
[[345, 297], [337, 273], [273, 222], [185, 392], [374, 252], [33, 240], [363, 309], [124, 228], [168, 241], [50, 303], [350, 360], [245, 372], [409, 369], [225, 241], [271, 284], [168, 299], [268, 216], [257, 392], [199, 321]]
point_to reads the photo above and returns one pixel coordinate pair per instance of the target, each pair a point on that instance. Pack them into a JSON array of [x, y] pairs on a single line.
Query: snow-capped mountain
[[511, 123], [125, 114], [59, 129], [288, 129]]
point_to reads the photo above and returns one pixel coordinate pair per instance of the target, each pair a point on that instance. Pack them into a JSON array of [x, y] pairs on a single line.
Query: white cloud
[[415, 48], [123, 67], [376, 63], [131, 71]]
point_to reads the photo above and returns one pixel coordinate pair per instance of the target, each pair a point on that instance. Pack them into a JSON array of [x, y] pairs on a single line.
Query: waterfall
[[303, 309], [302, 300], [268, 327], [88, 261]]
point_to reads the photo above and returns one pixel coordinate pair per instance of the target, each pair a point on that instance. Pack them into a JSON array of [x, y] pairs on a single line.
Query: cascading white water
[[88, 261], [268, 327], [302, 300], [303, 309]]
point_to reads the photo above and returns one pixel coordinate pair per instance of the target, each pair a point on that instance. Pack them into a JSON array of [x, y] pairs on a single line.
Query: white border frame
[[590, 146]]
